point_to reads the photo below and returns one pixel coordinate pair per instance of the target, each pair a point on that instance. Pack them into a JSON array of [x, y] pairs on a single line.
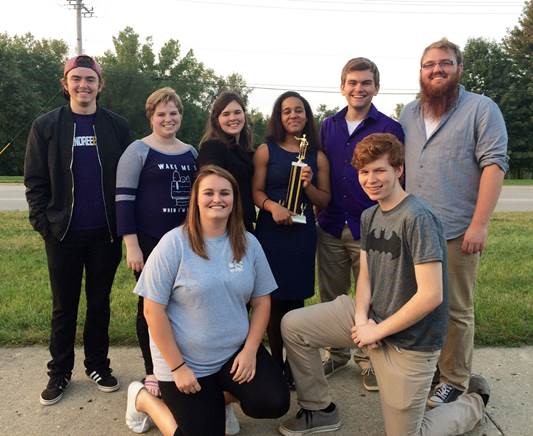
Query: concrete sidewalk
[[86, 411]]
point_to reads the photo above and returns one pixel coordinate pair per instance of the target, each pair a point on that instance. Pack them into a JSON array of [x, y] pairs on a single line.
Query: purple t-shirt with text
[[88, 206]]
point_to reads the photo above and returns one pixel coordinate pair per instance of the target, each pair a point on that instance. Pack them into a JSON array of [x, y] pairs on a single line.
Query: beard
[[437, 100]]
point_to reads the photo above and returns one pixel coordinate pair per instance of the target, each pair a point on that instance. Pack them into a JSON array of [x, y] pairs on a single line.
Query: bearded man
[[455, 159]]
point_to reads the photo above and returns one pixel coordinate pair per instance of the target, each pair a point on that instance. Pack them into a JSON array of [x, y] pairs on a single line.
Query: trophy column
[[293, 199]]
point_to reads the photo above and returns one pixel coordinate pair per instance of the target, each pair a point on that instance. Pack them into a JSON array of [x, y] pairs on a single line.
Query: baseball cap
[[83, 61]]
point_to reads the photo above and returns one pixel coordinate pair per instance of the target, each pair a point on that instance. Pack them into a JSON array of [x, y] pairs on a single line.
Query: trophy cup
[[293, 200]]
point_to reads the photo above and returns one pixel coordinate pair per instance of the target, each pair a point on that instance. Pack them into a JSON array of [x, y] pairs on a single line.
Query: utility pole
[[82, 10]]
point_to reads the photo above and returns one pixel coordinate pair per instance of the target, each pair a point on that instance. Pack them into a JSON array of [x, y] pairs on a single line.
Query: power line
[[27, 123], [437, 3], [324, 89], [419, 11]]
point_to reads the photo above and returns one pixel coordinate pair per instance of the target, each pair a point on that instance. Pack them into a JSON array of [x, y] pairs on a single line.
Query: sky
[[277, 45]]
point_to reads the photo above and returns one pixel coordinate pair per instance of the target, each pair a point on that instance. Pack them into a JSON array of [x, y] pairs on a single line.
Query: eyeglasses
[[446, 63]]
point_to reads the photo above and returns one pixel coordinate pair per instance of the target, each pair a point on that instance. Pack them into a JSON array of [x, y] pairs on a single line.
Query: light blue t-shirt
[[206, 299]]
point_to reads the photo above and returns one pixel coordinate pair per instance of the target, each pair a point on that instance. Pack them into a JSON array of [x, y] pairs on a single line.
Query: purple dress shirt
[[348, 200]]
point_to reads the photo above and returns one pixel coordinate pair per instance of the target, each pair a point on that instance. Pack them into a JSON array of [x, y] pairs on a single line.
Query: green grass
[[519, 182], [504, 297], [11, 179], [25, 296], [504, 294]]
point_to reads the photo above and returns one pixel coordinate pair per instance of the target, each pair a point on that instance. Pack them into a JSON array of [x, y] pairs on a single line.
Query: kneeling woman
[[196, 285]]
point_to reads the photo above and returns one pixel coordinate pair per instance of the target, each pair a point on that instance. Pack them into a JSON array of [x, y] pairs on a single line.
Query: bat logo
[[382, 245]]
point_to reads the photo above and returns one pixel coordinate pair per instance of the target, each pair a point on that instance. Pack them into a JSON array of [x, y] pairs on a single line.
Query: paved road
[[516, 199], [513, 198], [84, 411], [12, 197]]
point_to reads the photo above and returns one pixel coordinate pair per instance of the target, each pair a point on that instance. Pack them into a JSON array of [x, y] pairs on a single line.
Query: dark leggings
[[203, 413], [278, 308], [147, 244]]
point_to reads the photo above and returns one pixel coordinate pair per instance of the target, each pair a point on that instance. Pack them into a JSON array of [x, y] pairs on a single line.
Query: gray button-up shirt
[[445, 168]]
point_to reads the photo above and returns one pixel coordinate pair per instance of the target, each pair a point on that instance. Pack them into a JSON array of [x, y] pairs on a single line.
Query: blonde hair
[[162, 95], [235, 225], [445, 44]]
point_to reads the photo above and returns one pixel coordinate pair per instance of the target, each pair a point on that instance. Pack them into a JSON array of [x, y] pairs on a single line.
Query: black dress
[[290, 250], [239, 163]]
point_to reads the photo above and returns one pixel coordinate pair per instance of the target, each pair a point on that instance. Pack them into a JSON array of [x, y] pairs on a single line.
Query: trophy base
[[299, 219]]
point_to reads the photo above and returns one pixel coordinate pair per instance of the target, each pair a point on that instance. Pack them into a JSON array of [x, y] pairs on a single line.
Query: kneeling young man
[[399, 313]]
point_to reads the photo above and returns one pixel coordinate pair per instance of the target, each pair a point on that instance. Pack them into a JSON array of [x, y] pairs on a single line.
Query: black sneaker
[[444, 393], [105, 381], [54, 390]]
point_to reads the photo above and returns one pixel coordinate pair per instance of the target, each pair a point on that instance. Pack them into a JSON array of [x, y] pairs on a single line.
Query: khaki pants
[[338, 262], [404, 377], [455, 363]]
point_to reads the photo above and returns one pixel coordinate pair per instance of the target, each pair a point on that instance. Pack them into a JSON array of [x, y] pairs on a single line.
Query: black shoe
[[444, 393], [54, 390], [104, 380]]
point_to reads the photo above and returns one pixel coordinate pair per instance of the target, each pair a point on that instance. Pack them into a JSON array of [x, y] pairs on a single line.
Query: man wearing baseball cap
[[69, 173]]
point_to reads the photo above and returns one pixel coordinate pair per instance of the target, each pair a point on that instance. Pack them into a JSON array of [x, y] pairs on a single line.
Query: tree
[[30, 70], [503, 71], [485, 64], [398, 110], [133, 71], [258, 124], [518, 101], [322, 112]]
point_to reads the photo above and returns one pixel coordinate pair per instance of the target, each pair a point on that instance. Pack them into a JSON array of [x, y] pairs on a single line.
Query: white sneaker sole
[[104, 388], [107, 388], [50, 402]]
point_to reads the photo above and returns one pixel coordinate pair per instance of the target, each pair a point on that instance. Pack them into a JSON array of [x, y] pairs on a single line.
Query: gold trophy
[[293, 200]]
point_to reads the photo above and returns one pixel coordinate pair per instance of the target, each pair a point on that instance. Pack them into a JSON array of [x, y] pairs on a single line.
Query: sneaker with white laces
[[54, 390], [311, 421], [137, 422], [444, 393], [369, 379], [331, 366], [105, 381], [232, 423]]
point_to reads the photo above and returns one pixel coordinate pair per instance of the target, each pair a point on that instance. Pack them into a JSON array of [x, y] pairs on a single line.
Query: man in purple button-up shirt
[[339, 224]]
